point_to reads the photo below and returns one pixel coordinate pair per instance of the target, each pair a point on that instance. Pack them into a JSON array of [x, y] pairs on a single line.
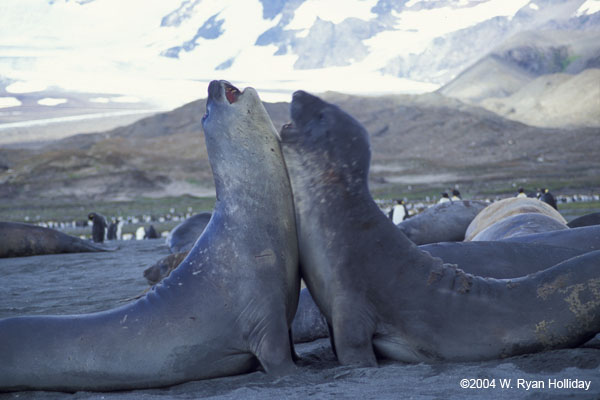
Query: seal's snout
[[220, 90], [303, 107]]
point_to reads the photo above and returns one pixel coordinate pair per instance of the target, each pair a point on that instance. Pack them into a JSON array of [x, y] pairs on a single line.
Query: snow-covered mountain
[[167, 50]]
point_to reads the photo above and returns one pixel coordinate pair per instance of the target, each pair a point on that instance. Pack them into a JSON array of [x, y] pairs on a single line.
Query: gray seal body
[[184, 235], [442, 222], [520, 225], [585, 238], [22, 240], [384, 296], [585, 220], [228, 305]]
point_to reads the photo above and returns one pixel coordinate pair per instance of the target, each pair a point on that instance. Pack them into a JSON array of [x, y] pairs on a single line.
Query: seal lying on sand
[[382, 295], [585, 220], [22, 240], [519, 225], [230, 303], [442, 222], [183, 236], [586, 238], [500, 259], [498, 211]]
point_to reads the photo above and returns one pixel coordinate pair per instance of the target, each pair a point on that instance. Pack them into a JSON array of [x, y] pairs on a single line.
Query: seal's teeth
[[231, 93]]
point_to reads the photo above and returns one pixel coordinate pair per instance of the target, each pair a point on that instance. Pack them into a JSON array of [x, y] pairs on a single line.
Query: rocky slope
[[424, 140]]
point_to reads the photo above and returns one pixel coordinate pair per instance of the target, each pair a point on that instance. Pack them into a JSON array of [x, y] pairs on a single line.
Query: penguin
[[140, 233], [547, 197], [115, 230], [521, 193], [150, 233], [98, 228], [398, 213], [444, 198], [455, 195]]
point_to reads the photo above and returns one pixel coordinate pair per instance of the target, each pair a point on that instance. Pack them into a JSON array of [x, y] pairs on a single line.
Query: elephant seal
[[507, 207], [382, 295], [23, 240], [99, 226], [183, 236], [586, 238], [308, 324], [229, 304], [499, 259], [519, 225], [442, 222], [163, 267], [585, 220]]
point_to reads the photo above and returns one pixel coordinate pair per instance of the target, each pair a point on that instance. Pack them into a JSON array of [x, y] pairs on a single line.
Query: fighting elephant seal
[[23, 240], [505, 208], [383, 295], [184, 235], [230, 302], [519, 225], [442, 222]]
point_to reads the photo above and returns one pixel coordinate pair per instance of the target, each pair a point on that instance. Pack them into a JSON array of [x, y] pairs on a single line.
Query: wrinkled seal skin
[[230, 302], [520, 225], [183, 236], [308, 324], [23, 240], [382, 295], [443, 222]]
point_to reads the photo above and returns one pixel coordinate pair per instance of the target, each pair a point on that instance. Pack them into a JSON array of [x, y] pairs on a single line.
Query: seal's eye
[[231, 93]]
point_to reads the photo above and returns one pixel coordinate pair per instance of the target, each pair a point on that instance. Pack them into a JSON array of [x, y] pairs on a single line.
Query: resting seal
[[585, 220], [442, 222], [22, 240], [382, 295], [183, 236], [520, 225], [504, 208], [586, 238], [229, 303]]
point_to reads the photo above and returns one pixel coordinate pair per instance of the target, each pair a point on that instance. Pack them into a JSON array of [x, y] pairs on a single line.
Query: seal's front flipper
[[353, 338], [272, 349]]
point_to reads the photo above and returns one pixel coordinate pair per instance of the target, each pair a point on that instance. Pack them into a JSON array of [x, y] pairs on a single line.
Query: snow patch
[[534, 6], [125, 99], [101, 100], [589, 7], [332, 10], [26, 87], [51, 101], [6, 102]]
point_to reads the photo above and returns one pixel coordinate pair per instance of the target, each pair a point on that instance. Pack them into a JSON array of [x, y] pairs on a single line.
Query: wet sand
[[88, 282]]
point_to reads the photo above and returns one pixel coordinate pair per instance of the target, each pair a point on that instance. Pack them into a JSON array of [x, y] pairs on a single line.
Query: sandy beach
[[88, 282]]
